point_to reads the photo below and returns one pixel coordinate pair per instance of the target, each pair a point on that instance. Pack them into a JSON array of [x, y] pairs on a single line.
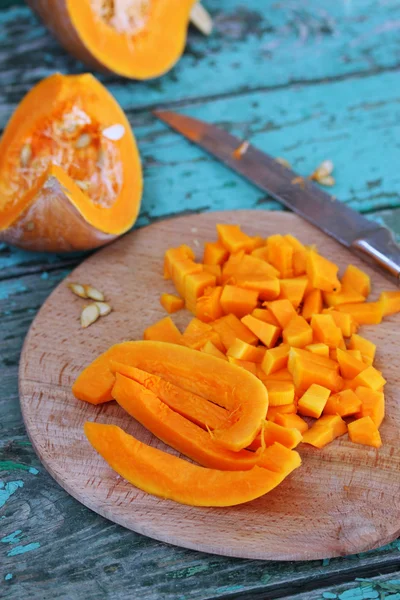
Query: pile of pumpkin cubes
[[277, 308]]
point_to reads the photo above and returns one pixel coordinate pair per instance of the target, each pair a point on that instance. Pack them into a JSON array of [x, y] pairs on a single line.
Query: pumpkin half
[[70, 173], [139, 39]]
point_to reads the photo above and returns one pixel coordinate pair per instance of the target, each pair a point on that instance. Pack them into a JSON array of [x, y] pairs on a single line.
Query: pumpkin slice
[[220, 382], [193, 407], [136, 39], [177, 431], [70, 170], [170, 477]]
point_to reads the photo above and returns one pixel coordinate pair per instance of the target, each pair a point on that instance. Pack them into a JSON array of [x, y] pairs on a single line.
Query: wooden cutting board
[[344, 499]]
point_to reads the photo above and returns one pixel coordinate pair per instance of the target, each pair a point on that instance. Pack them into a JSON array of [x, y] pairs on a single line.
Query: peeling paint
[[8, 576], [8, 489], [12, 538], [22, 549]]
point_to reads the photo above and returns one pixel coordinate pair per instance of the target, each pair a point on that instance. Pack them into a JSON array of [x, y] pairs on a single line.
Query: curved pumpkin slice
[[220, 382], [195, 408], [140, 39], [176, 431], [70, 173], [173, 478]]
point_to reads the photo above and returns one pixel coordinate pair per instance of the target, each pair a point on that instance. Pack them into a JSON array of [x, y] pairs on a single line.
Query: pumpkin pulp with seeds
[[70, 175]]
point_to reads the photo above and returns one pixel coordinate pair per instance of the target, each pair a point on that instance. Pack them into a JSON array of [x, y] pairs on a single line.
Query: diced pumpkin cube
[[267, 289], [210, 348], [299, 255], [233, 239], [305, 373], [319, 348], [312, 304], [314, 358], [370, 378], [229, 328], [281, 375], [198, 333], [344, 321], [279, 459], [174, 255], [290, 438], [346, 295], [164, 330], [208, 306], [214, 270], [291, 421], [171, 303], [280, 255], [273, 411], [241, 266], [356, 353], [293, 290], [366, 347], [280, 393], [325, 430], [244, 351], [264, 314], [313, 401], [365, 313], [364, 431], [282, 310], [322, 273], [244, 364], [257, 242], [372, 404], [344, 404], [266, 333], [390, 303], [180, 270], [238, 301], [215, 253], [326, 331], [275, 359], [357, 279], [350, 367], [195, 284], [297, 332]]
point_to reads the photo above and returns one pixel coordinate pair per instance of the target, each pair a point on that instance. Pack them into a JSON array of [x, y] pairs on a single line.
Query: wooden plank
[[251, 48], [305, 126], [49, 554]]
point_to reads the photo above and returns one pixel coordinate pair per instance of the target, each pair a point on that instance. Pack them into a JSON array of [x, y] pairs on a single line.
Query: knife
[[371, 242]]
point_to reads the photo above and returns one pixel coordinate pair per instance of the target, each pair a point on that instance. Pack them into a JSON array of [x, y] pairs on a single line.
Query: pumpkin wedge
[[177, 431], [70, 173], [220, 382], [173, 478], [139, 39]]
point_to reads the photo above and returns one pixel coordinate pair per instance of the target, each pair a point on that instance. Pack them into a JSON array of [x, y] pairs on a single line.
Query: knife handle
[[381, 250]]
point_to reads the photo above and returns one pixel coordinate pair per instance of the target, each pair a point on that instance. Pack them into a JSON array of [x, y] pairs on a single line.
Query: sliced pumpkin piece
[[364, 431], [244, 364], [319, 348], [344, 321], [229, 328], [266, 333], [290, 438], [244, 351], [390, 303], [291, 421], [299, 255], [344, 404], [233, 238], [280, 255], [275, 359], [293, 290], [210, 348], [122, 39], [297, 333], [372, 404], [322, 273], [66, 183], [273, 411], [164, 330], [171, 303], [357, 279], [325, 430], [346, 295], [370, 378], [326, 331], [312, 304], [220, 382], [350, 367], [282, 310], [174, 255], [195, 285], [238, 301], [241, 266], [313, 401], [366, 347], [180, 270], [198, 333], [170, 477], [215, 253], [264, 314], [208, 306], [267, 289], [365, 313], [280, 393]]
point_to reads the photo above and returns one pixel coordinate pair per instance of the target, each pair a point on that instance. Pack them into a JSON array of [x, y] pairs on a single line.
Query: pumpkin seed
[[114, 132], [83, 141], [94, 294], [25, 155], [104, 308], [89, 315], [78, 289]]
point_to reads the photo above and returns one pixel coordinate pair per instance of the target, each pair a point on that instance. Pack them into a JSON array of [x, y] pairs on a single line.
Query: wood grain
[[344, 499]]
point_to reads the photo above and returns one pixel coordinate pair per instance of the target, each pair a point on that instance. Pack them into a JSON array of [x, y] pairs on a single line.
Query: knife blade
[[372, 242]]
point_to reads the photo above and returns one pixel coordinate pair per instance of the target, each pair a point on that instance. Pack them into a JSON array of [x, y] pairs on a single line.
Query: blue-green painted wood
[[301, 80]]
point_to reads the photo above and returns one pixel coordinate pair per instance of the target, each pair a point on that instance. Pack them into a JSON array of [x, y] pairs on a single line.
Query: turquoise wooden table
[[302, 79]]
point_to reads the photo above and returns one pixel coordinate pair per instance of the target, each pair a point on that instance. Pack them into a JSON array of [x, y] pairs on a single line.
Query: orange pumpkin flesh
[[220, 382], [170, 477], [65, 184], [141, 41]]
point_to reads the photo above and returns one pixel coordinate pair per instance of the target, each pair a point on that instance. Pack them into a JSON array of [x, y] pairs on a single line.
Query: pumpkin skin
[[225, 384], [149, 53], [52, 212]]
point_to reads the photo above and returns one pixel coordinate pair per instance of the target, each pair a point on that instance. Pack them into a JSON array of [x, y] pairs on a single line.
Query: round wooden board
[[344, 499]]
